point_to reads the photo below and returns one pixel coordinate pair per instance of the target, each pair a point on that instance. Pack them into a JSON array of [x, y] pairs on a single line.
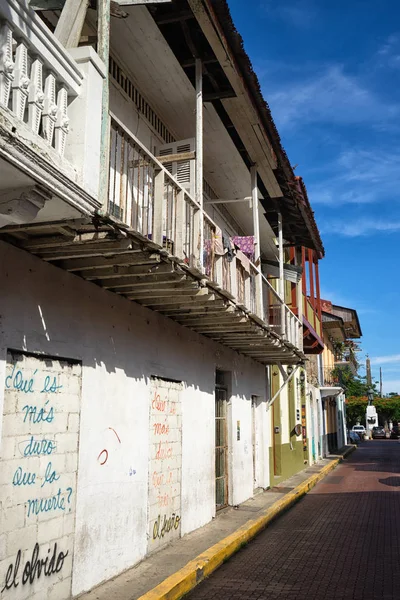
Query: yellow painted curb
[[180, 583]]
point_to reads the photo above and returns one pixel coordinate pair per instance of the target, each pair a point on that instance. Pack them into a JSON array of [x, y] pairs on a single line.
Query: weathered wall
[[121, 346]]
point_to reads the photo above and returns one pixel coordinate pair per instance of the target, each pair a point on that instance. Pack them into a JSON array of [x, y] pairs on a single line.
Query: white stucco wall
[[121, 345]]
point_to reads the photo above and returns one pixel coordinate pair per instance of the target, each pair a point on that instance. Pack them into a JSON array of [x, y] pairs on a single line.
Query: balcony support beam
[[285, 382], [69, 27]]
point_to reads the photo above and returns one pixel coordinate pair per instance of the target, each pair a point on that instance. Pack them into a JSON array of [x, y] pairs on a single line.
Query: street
[[341, 541]]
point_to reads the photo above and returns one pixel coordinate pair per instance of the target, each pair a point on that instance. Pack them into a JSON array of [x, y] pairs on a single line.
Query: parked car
[[395, 433], [360, 429], [378, 432]]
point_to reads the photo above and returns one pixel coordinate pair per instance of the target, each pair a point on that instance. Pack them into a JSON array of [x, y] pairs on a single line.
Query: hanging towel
[[246, 245]]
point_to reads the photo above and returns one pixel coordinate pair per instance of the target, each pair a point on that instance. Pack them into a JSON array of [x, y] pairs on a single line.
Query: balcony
[[221, 296], [44, 122], [154, 245], [331, 377], [313, 336], [347, 359]]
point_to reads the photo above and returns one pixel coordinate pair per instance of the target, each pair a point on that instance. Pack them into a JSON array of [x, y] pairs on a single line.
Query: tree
[[388, 409], [355, 410], [353, 384]]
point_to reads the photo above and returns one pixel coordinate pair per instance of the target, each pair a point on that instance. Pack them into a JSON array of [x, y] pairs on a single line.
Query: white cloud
[[330, 96], [369, 166], [389, 53], [390, 43], [359, 176], [299, 13], [391, 386], [358, 227], [382, 360]]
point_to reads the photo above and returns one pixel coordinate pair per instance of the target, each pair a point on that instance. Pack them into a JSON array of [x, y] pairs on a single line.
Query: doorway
[[221, 442], [255, 434]]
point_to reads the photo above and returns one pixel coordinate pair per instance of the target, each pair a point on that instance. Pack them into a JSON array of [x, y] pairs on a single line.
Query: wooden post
[[312, 290], [293, 286], [318, 295], [256, 231], [158, 216], [281, 280], [304, 281], [69, 27], [199, 154], [103, 50], [299, 294], [180, 224]]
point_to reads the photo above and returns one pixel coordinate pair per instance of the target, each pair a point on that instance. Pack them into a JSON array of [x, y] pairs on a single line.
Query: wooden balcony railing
[[38, 77], [311, 314], [145, 197], [279, 316]]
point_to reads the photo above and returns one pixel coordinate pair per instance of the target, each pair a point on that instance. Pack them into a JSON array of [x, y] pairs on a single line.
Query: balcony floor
[[122, 261]]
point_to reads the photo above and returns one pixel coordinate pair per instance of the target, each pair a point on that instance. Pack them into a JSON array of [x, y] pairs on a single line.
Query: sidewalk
[[176, 569]]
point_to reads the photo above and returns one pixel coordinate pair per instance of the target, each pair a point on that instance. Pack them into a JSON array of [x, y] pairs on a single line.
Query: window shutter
[[183, 172]]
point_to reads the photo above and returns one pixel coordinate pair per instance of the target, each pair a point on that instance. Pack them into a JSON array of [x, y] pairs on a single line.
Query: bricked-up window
[[165, 462], [39, 451]]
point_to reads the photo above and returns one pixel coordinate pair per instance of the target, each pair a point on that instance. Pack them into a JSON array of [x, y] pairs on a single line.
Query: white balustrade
[[38, 78]]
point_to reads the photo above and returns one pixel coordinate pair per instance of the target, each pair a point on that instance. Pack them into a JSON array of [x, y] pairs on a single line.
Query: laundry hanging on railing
[[229, 248], [245, 244], [218, 242]]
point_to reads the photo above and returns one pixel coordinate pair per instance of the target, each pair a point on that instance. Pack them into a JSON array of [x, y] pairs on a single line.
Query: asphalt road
[[341, 541]]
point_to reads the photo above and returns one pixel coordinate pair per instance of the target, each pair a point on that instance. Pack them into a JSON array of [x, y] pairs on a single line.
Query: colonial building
[[341, 327], [153, 239]]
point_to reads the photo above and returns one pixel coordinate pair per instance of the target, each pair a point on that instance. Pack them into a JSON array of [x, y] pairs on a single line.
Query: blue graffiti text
[[40, 505], [37, 415], [50, 385], [18, 382], [39, 447], [23, 478], [50, 476]]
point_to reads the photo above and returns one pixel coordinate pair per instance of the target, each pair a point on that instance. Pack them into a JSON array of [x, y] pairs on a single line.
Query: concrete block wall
[[39, 461], [121, 347]]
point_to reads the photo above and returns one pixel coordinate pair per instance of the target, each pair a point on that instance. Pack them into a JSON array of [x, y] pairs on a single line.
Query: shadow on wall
[[57, 313]]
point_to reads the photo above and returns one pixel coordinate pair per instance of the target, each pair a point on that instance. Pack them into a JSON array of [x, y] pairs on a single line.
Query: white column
[[256, 230], [84, 139], [281, 290], [103, 50], [199, 151]]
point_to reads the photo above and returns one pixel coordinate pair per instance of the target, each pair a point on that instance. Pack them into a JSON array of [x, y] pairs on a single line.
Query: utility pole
[[380, 382]]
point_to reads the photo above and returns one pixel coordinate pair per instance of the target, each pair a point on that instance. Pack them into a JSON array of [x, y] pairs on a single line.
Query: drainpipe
[[199, 153], [103, 50]]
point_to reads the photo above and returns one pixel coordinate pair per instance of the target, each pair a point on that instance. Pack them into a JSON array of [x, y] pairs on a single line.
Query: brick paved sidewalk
[[133, 583], [340, 541]]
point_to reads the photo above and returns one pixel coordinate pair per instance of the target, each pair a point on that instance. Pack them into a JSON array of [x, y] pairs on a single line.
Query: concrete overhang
[[330, 392]]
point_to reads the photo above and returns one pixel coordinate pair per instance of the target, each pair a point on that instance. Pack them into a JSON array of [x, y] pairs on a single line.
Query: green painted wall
[[292, 461], [287, 461]]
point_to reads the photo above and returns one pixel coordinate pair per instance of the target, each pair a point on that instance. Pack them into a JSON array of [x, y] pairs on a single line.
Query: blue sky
[[330, 72]]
